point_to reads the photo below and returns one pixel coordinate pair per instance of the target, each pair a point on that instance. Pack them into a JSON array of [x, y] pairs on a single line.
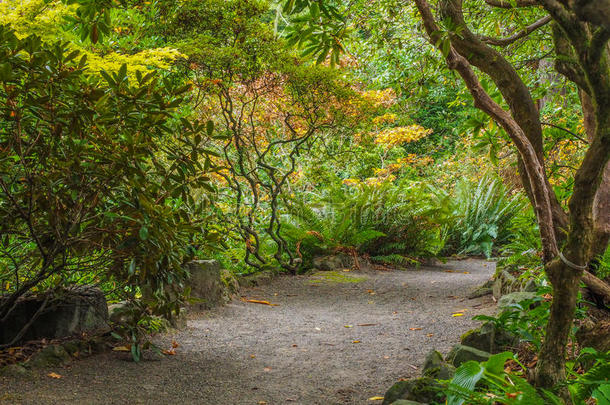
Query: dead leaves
[[55, 375], [376, 398], [457, 271], [262, 302], [458, 313]]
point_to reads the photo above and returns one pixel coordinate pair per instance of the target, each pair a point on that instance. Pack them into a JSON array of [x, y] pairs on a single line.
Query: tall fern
[[483, 215], [386, 221]]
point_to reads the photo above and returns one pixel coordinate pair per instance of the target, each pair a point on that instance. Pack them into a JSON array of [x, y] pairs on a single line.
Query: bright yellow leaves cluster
[[391, 137]]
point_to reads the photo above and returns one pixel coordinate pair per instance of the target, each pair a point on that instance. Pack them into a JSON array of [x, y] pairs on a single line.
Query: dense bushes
[[96, 175], [386, 222], [393, 222]]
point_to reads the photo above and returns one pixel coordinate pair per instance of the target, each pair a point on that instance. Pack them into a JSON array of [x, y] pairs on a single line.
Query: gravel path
[[298, 352]]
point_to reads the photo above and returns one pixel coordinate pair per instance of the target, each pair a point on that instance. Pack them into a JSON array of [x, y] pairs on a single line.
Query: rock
[[180, 321], [333, 262], [230, 283], [595, 335], [482, 290], [461, 354], [207, 288], [256, 279], [69, 312], [514, 298], [423, 389], [53, 355], [15, 370], [490, 339], [436, 367], [73, 347], [504, 283], [118, 312]]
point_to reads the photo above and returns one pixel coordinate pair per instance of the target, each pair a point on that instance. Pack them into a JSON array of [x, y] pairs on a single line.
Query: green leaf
[[209, 126], [143, 233], [465, 379], [495, 364]]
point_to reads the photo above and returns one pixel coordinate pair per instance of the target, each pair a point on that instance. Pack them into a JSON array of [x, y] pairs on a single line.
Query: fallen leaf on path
[[377, 398], [262, 403], [367, 324], [356, 341], [260, 302], [169, 352], [122, 349], [295, 345], [175, 344], [430, 334], [414, 328], [54, 375], [348, 326], [458, 314], [386, 357], [372, 292], [412, 366], [267, 369], [253, 356]]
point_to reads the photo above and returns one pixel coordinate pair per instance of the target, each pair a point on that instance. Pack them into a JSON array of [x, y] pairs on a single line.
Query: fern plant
[[483, 215], [388, 222]]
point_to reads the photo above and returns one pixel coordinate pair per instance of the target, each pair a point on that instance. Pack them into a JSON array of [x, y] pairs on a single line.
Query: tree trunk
[[551, 359]]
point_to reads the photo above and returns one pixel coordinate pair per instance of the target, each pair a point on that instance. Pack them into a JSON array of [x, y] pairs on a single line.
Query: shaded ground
[[298, 352]]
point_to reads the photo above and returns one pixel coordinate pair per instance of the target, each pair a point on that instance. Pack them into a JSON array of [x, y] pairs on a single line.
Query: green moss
[[333, 277]]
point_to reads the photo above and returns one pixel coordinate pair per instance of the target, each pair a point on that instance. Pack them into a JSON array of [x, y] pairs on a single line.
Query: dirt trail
[[298, 352]]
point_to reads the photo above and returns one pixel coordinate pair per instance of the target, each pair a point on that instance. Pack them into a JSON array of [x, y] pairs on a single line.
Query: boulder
[[514, 298], [424, 389], [255, 280], [333, 262], [489, 338], [53, 355], [179, 321], [595, 335], [207, 288], [504, 283], [436, 367], [231, 285], [482, 290], [461, 354], [15, 370], [68, 312]]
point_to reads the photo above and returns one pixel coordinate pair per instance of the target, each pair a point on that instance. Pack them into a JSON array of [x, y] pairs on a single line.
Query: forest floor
[[334, 338]]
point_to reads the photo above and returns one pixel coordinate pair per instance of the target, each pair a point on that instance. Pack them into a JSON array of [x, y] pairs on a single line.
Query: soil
[[333, 338]]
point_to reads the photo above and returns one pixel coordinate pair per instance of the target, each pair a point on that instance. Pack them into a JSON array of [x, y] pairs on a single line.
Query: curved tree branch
[[510, 4], [518, 35]]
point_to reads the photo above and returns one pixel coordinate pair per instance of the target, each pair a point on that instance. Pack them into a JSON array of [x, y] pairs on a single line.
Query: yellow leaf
[[356, 341], [457, 315], [347, 326], [260, 302], [122, 349], [377, 398], [414, 328], [54, 375]]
